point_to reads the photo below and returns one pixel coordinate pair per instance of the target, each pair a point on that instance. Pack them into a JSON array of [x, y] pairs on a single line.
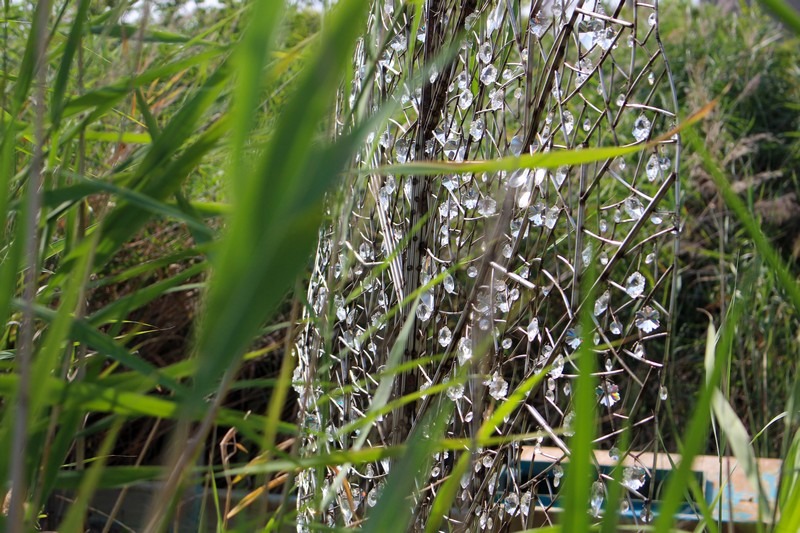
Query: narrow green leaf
[[278, 208], [10, 269], [147, 115], [785, 12], [787, 281], [179, 129], [380, 398], [250, 59], [698, 427], [149, 35], [553, 159], [200, 233], [67, 55], [737, 436], [417, 6], [63, 198], [127, 137], [580, 474], [106, 97], [443, 502], [27, 69], [111, 477], [101, 398], [790, 489], [163, 181], [394, 509], [74, 521], [122, 307]]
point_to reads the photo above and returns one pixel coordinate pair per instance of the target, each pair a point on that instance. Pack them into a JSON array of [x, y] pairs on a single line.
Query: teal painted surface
[[730, 508]]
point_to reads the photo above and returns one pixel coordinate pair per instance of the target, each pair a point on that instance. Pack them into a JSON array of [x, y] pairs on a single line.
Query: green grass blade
[[279, 207], [552, 159], [382, 395], [111, 477], [10, 270], [716, 356], [250, 59], [74, 521], [785, 12], [147, 115], [127, 137], [64, 198], [151, 266], [99, 397], [110, 95], [579, 476], [737, 436], [394, 510], [182, 126], [201, 234], [447, 493], [614, 489], [787, 281], [149, 35], [121, 307], [67, 55], [124, 221], [789, 496], [27, 68]]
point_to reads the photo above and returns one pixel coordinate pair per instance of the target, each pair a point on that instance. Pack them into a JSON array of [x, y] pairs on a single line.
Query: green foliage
[[749, 62], [131, 129], [168, 97]]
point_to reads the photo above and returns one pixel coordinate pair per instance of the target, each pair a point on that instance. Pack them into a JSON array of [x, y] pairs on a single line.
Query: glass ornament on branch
[[460, 286]]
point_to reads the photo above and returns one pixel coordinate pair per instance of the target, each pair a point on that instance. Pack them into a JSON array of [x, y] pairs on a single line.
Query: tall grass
[[108, 132], [752, 136], [199, 103]]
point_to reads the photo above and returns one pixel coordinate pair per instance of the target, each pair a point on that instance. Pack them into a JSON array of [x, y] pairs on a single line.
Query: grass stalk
[[18, 460]]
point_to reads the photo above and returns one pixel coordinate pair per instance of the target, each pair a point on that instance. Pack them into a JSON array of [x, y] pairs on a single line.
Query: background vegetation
[[137, 156], [748, 61]]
